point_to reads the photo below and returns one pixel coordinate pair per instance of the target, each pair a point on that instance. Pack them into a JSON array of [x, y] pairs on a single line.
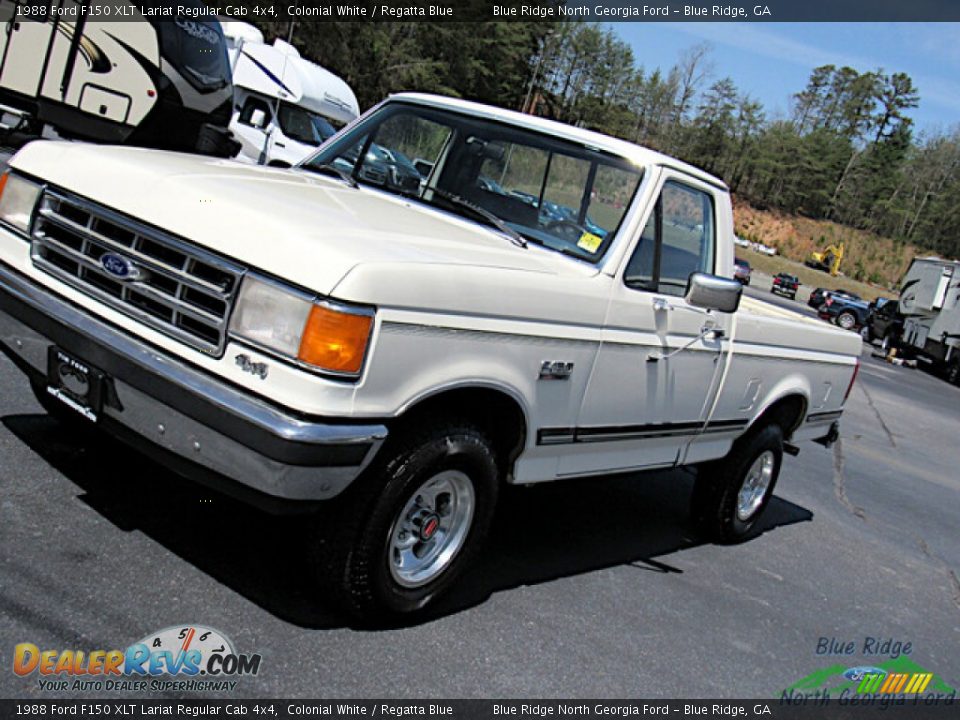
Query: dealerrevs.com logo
[[178, 658]]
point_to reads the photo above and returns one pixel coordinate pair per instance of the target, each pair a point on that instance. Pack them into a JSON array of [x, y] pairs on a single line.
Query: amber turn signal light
[[334, 340]]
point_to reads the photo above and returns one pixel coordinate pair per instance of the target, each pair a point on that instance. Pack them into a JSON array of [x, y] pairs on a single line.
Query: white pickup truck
[[446, 297]]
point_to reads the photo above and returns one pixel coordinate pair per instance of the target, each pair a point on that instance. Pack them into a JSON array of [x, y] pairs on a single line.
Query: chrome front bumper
[[158, 402]]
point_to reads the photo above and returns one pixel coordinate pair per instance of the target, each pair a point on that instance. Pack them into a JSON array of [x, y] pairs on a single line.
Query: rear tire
[[406, 530], [730, 494], [847, 320]]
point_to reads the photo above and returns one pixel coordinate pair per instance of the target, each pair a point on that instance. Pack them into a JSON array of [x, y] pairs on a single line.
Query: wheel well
[[495, 412], [787, 412]]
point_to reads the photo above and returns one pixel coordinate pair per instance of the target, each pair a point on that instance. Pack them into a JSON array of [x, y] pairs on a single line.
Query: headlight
[[18, 196], [322, 335]]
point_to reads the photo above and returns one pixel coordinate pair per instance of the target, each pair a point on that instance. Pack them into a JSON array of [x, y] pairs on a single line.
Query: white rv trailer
[[144, 81], [930, 303], [284, 105]]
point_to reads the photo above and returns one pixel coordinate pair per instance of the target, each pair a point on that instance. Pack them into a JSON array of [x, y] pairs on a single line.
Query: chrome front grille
[[176, 288]]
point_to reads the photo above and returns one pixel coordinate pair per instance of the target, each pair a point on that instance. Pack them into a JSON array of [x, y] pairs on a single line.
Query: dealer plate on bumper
[[75, 383]]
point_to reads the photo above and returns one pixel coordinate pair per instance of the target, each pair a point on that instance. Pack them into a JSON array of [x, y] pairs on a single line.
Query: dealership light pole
[[292, 23]]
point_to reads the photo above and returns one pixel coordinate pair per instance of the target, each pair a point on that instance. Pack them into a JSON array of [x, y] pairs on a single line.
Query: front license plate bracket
[[75, 383]]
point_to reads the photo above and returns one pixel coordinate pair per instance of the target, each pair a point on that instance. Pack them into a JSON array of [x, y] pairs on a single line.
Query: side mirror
[[258, 118], [713, 293], [278, 163]]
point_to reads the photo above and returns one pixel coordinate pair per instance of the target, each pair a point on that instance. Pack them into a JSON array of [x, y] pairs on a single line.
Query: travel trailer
[[284, 105], [930, 304], [141, 81]]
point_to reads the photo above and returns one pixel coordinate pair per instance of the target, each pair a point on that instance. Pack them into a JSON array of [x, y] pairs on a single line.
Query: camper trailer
[[143, 81], [930, 304], [284, 105]]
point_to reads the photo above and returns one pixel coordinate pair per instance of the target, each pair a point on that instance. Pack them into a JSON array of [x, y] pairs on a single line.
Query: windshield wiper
[[515, 237], [328, 169]]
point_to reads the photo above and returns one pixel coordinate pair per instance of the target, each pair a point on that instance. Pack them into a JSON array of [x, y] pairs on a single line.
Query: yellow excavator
[[828, 259]]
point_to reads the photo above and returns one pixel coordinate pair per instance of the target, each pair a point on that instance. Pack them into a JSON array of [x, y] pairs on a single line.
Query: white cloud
[[757, 39], [938, 42]]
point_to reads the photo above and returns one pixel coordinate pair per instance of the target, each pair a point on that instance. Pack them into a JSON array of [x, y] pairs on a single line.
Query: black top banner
[[607, 11], [778, 709]]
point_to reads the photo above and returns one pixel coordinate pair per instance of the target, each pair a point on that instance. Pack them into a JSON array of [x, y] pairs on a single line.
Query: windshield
[[197, 49], [302, 125], [562, 195]]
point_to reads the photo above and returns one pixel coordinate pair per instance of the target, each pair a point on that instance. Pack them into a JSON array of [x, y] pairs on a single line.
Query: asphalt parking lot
[[590, 588]]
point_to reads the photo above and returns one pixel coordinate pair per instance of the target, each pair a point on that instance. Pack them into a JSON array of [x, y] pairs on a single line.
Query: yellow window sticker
[[589, 242]]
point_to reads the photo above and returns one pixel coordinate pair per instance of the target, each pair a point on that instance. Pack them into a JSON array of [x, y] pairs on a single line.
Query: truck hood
[[306, 228]]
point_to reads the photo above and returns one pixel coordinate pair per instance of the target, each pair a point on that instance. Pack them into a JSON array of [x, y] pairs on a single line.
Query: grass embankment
[[809, 278], [872, 265]]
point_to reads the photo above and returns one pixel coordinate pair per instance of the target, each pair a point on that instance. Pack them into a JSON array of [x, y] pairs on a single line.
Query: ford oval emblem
[[119, 266]]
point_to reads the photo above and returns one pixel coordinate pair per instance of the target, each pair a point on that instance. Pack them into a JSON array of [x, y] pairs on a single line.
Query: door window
[[678, 240]]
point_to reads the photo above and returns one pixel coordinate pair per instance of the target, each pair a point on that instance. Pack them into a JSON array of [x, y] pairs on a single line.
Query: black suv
[[843, 311], [819, 296], [884, 322]]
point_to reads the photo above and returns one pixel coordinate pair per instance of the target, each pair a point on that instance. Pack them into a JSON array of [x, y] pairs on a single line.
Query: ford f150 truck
[[542, 302]]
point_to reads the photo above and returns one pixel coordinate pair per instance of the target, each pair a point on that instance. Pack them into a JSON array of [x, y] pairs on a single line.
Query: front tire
[[413, 522], [730, 494]]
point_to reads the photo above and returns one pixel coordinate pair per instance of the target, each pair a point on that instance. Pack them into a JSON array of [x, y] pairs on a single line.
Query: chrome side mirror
[[711, 292]]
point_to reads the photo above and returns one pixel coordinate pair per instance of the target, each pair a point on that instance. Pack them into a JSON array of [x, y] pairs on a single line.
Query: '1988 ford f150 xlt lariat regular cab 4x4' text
[[446, 297]]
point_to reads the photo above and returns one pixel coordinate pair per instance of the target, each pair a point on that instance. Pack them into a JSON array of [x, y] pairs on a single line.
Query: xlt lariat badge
[[245, 363], [555, 370]]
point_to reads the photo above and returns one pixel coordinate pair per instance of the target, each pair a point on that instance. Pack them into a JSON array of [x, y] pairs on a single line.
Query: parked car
[[844, 311], [818, 296], [483, 182], [785, 284], [399, 352], [741, 271], [552, 212], [381, 166], [884, 322], [740, 242]]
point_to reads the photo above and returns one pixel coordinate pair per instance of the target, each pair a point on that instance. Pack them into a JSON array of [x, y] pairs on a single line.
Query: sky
[[772, 61]]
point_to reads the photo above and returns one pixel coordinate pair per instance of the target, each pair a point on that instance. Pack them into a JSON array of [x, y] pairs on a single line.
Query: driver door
[[656, 374]]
